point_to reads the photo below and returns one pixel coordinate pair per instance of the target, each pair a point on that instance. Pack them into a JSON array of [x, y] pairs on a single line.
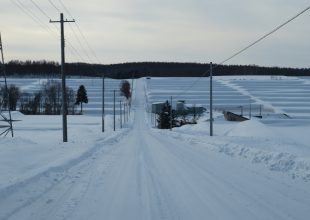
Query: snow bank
[[251, 128], [254, 141], [258, 150], [36, 151]]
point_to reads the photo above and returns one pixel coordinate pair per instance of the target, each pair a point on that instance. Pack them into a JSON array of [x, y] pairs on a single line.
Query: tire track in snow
[[254, 197], [21, 196]]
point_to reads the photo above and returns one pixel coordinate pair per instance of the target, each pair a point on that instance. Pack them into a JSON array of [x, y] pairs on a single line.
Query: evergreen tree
[[81, 97], [164, 119]]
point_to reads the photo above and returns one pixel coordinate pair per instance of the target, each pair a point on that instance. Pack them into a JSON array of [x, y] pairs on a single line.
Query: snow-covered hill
[[258, 169]]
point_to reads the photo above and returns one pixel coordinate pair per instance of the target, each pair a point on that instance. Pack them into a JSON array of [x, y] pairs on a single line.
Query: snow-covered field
[[280, 140], [258, 169], [93, 87]]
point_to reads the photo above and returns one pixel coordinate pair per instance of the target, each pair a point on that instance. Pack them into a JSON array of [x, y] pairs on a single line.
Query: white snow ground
[[143, 173]]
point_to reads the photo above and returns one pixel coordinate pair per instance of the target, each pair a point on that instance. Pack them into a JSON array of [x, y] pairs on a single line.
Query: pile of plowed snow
[[251, 128]]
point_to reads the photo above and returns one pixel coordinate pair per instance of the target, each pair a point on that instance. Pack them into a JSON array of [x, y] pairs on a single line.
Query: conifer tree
[[164, 119], [81, 97]]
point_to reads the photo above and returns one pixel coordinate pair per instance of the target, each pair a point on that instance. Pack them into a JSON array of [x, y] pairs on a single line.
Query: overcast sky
[[158, 30]]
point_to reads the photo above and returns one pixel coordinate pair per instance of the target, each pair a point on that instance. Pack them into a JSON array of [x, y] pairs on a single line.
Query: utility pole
[[63, 77], [114, 109], [120, 113], [103, 113], [127, 111], [211, 102], [124, 112], [132, 77], [171, 114], [250, 108]]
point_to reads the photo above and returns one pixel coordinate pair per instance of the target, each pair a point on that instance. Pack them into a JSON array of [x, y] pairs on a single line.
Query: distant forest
[[141, 69]]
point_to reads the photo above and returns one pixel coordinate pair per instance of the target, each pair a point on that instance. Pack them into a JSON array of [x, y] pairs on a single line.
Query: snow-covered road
[[147, 174]]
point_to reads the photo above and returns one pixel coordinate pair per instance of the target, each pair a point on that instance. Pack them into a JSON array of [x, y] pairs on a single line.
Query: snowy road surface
[[149, 175]]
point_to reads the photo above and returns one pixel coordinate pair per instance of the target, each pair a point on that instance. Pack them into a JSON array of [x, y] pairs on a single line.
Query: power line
[[265, 36], [42, 12], [54, 6], [30, 14], [40, 9], [42, 24], [65, 8], [74, 33], [88, 45], [71, 48], [79, 42], [81, 33], [37, 20], [244, 49], [76, 24]]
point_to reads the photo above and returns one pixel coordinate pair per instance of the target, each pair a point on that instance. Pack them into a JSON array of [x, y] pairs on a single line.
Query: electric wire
[[30, 14], [74, 33], [88, 45], [81, 33], [33, 16], [75, 50], [79, 42], [65, 8], [43, 25], [39, 8], [265, 36], [214, 66], [54, 6]]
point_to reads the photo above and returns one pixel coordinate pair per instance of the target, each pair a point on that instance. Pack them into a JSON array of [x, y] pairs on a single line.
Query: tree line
[[142, 69], [47, 100]]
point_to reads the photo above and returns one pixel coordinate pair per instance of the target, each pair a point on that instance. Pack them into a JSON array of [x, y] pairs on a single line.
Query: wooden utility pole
[[103, 113], [171, 114], [63, 77], [124, 112], [250, 108], [120, 113], [114, 109], [211, 102]]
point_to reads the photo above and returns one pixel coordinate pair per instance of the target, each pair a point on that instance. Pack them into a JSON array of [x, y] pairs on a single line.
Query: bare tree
[[125, 89], [14, 95], [70, 101]]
